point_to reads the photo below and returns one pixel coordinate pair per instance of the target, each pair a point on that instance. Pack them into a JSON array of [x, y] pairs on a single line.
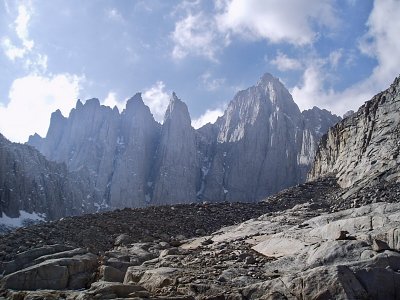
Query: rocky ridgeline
[[365, 145], [262, 144]]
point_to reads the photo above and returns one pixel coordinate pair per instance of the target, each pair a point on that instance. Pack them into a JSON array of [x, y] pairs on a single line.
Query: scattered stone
[[342, 235], [378, 245], [123, 240]]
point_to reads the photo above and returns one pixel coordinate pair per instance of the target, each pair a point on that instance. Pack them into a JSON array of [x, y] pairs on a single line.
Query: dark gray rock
[[72, 272], [108, 273]]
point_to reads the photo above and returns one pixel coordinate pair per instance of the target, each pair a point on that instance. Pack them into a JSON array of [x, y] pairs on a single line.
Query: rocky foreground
[[294, 245]]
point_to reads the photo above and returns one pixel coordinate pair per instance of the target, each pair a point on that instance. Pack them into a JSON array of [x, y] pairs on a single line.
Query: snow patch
[[24, 218]]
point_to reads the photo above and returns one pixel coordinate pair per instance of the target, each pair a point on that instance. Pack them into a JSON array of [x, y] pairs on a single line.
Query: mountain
[[34, 188], [306, 242], [262, 144], [365, 145], [115, 148]]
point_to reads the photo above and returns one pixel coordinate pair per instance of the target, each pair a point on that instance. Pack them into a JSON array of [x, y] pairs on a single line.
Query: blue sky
[[333, 54]]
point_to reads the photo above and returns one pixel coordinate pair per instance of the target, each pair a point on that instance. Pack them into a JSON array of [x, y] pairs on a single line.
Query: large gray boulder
[[69, 272]]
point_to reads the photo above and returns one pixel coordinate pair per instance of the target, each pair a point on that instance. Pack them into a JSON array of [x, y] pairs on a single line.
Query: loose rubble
[[291, 246]]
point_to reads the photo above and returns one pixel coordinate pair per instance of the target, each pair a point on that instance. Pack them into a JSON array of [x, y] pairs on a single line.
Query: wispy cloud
[[285, 63], [20, 27], [195, 35], [114, 14], [380, 42], [157, 99], [210, 83]]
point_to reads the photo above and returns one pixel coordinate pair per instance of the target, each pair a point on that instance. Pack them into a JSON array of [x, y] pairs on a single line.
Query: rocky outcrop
[[31, 184], [365, 145], [262, 144], [72, 269], [176, 170]]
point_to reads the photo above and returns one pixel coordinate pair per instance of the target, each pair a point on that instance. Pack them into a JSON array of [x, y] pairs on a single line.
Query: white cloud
[[335, 57], [32, 99], [380, 42], [111, 101], [21, 29], [291, 21], [210, 116], [212, 84], [195, 35], [21, 25], [285, 63], [11, 51], [157, 99]]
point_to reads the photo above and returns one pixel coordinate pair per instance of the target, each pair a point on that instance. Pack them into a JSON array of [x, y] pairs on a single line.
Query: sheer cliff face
[[364, 145], [262, 144], [176, 168], [116, 149], [28, 182]]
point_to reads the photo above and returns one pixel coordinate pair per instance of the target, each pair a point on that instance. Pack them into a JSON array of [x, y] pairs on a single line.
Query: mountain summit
[[262, 144]]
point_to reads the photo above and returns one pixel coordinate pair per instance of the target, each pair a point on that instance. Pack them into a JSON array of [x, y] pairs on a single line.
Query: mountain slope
[[364, 146], [29, 183]]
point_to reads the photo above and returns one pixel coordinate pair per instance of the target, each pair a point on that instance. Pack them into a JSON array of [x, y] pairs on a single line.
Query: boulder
[[279, 245], [123, 239], [73, 272], [102, 289], [158, 278], [393, 238], [108, 273], [26, 258]]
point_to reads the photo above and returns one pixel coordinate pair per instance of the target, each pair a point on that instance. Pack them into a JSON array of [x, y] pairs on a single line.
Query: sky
[[332, 54]]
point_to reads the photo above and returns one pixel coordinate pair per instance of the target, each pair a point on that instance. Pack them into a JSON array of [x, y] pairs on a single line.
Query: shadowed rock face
[[365, 145], [30, 183], [176, 170], [262, 144], [117, 149]]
